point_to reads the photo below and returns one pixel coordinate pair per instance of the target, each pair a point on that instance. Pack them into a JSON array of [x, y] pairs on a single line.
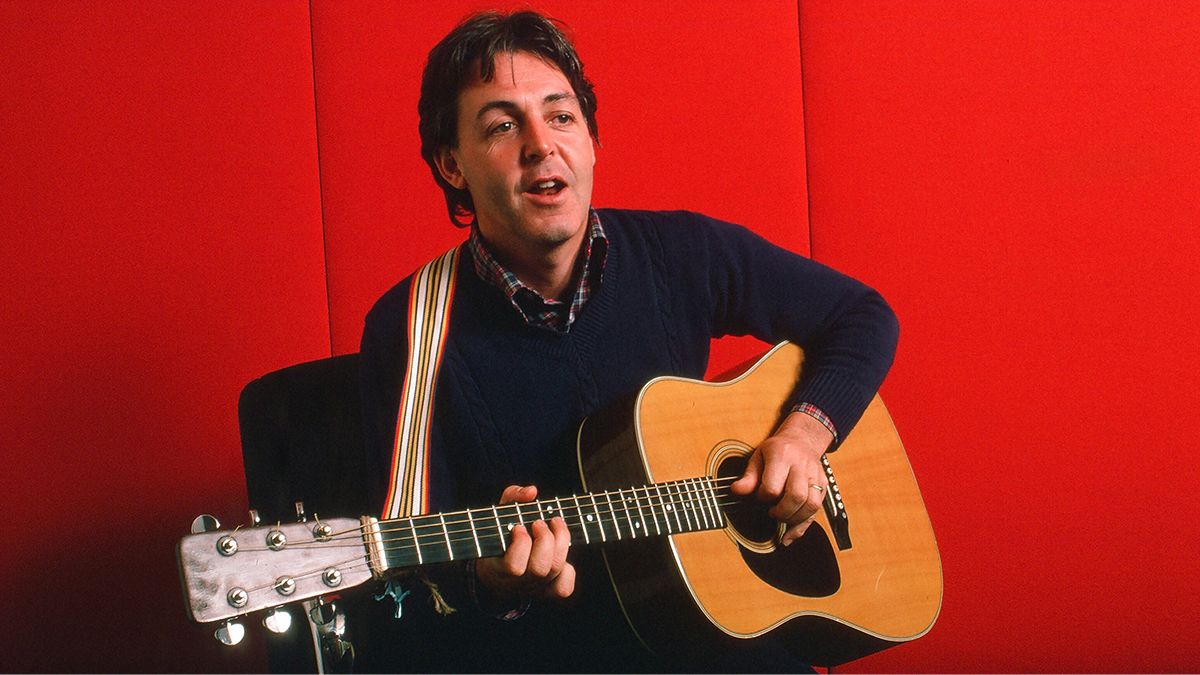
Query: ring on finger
[[818, 488]]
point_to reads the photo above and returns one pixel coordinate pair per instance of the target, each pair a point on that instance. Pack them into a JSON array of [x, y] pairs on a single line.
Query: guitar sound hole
[[808, 567]]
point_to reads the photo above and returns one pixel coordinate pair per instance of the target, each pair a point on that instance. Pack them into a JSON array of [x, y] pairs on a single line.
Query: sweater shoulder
[[666, 230], [392, 307], [625, 220]]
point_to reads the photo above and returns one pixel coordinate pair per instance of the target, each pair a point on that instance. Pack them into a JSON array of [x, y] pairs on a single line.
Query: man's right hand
[[535, 564]]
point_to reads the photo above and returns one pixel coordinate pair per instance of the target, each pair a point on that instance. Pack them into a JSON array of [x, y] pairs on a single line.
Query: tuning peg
[[300, 515], [278, 620], [255, 520], [205, 523], [230, 633]]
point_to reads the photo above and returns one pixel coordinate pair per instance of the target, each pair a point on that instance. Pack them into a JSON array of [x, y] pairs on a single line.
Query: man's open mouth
[[547, 187]]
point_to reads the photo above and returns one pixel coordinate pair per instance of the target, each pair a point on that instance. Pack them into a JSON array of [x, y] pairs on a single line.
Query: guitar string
[[361, 561], [436, 540], [689, 497]]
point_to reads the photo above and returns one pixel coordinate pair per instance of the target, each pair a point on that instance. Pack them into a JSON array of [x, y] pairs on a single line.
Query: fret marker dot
[[510, 527], [589, 518], [670, 508]]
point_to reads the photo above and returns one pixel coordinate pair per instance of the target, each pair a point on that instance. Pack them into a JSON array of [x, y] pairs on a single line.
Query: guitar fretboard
[[655, 510]]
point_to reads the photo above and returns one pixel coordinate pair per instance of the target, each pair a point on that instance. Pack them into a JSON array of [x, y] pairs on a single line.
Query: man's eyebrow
[[509, 106], [560, 96]]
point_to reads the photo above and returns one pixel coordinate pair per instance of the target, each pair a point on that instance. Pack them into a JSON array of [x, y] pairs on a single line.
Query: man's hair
[[472, 48]]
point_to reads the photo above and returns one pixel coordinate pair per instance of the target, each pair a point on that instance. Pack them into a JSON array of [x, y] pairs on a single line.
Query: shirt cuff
[[817, 414], [511, 614]]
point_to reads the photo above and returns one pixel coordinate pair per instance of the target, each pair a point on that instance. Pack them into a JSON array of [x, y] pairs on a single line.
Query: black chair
[[301, 430], [302, 440]]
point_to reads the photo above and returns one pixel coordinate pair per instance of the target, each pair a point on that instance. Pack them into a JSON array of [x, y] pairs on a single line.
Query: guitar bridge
[[835, 509]]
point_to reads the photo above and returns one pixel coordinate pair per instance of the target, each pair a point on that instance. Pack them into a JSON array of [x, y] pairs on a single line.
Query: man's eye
[[503, 127], [564, 118]]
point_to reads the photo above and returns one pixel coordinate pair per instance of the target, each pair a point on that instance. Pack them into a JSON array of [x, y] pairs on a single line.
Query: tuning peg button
[[205, 523], [230, 633], [278, 620]]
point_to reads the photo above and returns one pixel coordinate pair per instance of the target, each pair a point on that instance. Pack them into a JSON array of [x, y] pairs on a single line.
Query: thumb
[[750, 477]]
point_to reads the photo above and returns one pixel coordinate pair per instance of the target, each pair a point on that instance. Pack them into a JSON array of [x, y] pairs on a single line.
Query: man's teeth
[[547, 185]]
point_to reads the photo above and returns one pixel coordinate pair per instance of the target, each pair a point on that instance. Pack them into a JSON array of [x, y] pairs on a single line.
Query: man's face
[[525, 155]]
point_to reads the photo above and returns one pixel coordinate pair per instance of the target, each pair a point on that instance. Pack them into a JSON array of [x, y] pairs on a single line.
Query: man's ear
[[448, 166]]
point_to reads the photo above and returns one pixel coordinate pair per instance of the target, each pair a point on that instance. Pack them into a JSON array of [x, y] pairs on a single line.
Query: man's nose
[[538, 142]]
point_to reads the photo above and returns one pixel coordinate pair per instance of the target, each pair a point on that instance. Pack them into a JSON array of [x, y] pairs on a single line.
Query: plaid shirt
[[557, 315], [540, 312]]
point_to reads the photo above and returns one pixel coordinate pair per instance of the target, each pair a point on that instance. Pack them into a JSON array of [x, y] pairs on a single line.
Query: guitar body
[[831, 602]]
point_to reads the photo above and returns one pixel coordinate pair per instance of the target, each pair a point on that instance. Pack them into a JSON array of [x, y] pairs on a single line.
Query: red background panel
[[1020, 179], [162, 247], [690, 114]]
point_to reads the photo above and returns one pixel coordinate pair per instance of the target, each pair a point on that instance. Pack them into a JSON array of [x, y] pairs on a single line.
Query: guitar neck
[[660, 509]]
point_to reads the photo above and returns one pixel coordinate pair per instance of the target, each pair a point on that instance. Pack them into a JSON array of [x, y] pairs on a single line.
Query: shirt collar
[[536, 310]]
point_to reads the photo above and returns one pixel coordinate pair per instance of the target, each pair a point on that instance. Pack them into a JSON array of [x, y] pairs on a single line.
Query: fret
[[702, 493], [446, 534], [599, 520], [500, 530], [582, 520], [538, 506], [613, 513], [698, 502], [416, 544], [666, 510], [683, 505], [653, 517], [628, 519], [397, 549], [697, 506], [718, 514], [689, 504], [641, 516], [520, 518], [474, 534]]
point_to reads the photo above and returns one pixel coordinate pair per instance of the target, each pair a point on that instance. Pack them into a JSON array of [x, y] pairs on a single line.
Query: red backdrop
[[193, 196], [1020, 179]]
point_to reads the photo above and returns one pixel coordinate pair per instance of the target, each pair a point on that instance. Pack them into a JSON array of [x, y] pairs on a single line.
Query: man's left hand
[[786, 471]]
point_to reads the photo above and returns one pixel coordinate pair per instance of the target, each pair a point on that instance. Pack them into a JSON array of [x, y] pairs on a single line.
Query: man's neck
[[549, 270]]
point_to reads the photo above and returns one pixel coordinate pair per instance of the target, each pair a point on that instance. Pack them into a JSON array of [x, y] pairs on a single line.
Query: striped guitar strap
[[429, 302]]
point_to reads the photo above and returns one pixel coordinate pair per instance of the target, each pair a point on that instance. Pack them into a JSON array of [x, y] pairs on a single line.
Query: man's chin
[[556, 228]]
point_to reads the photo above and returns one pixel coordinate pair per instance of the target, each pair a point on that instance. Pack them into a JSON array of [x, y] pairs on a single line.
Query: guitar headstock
[[227, 573]]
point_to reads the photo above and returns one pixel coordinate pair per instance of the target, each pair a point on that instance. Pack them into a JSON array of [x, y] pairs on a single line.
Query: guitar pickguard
[[808, 567]]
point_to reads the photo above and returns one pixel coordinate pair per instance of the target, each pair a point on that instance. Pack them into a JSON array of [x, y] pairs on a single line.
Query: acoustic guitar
[[692, 565]]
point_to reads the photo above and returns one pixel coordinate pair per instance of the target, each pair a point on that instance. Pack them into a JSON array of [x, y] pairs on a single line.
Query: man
[[560, 309]]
